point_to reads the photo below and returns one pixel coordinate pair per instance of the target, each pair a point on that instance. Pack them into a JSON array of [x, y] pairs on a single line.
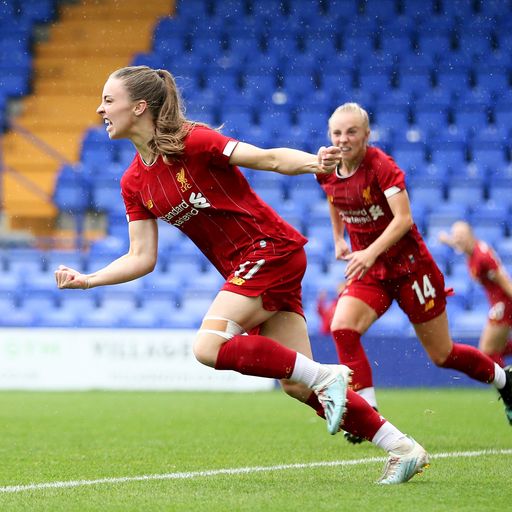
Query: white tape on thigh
[[231, 328]]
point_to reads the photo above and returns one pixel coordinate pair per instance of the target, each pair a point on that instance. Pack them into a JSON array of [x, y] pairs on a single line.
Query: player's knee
[[205, 352], [358, 324], [213, 333]]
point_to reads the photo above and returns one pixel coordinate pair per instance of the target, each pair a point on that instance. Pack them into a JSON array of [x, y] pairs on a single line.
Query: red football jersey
[[209, 200], [483, 263], [361, 202]]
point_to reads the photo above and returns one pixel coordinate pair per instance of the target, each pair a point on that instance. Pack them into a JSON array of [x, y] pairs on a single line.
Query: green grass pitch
[[98, 445]]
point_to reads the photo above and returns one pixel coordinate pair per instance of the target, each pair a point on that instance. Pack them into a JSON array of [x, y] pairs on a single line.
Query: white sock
[[389, 438], [500, 378], [369, 395], [309, 372]]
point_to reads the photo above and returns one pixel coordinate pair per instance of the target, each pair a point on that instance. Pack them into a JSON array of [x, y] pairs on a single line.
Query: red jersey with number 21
[[361, 200], [209, 200]]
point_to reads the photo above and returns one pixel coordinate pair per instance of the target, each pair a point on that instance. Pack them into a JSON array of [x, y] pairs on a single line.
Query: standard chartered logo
[[180, 214]]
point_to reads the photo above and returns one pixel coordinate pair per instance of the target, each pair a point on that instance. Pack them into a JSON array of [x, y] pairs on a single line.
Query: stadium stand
[[434, 75]]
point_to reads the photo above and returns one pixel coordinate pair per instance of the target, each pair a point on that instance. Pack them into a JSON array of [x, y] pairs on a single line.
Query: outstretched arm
[[139, 261], [446, 239], [285, 160]]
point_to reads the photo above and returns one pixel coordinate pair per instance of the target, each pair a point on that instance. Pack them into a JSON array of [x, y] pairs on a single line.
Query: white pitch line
[[230, 471]]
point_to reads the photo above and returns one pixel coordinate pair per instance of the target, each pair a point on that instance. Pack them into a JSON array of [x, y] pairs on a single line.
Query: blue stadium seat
[[490, 213], [395, 43], [359, 44], [310, 120], [434, 44], [444, 214], [72, 190], [337, 83], [304, 82], [273, 195], [396, 116], [478, 301], [453, 79], [311, 283], [308, 193], [193, 309], [415, 79], [469, 323], [426, 192], [466, 193], [262, 85], [490, 134], [222, 81], [472, 43], [489, 155], [471, 118], [410, 155], [392, 323], [18, 318], [69, 258], [449, 154], [106, 195], [503, 117], [38, 304], [35, 282], [38, 11], [275, 123], [236, 120], [152, 60], [430, 117], [500, 193], [490, 234], [320, 47], [494, 79], [76, 301]]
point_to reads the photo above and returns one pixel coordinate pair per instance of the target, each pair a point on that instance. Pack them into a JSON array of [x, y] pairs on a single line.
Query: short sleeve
[[214, 145], [135, 209], [390, 177]]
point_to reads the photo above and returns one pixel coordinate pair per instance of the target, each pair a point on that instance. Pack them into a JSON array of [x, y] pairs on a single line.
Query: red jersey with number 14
[[361, 200], [209, 200]]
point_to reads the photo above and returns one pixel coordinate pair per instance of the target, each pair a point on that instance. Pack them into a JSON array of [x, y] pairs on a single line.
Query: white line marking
[[231, 471]]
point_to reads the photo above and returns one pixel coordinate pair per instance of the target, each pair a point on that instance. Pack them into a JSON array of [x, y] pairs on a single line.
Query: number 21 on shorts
[[425, 292]]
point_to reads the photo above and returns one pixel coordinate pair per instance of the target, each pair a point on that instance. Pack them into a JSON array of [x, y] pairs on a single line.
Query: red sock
[[351, 353], [471, 361], [256, 355], [361, 419], [315, 404]]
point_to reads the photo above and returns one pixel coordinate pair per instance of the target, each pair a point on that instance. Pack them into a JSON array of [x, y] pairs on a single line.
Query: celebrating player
[[389, 261], [187, 174], [485, 267]]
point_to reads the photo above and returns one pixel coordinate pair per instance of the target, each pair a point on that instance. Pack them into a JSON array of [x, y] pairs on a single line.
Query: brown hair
[[158, 88]]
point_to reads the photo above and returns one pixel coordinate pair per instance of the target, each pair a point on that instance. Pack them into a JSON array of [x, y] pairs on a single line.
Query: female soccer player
[[389, 261], [485, 267], [187, 174]]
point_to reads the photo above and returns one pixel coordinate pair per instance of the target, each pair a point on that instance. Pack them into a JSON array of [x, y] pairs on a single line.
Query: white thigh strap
[[229, 327]]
